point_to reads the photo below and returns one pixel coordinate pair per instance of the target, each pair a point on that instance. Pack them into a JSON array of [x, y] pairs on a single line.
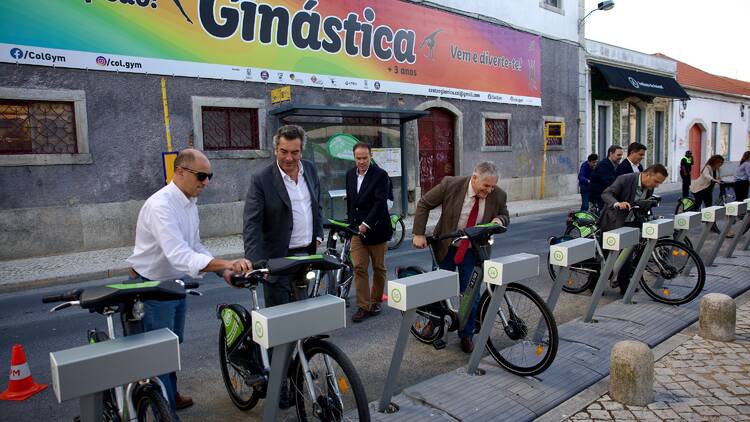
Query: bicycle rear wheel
[[337, 388], [579, 278], [399, 231], [665, 279], [528, 344], [151, 406]]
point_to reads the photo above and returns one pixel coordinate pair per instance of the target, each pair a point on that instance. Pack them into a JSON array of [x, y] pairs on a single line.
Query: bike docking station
[[406, 295], [563, 255], [85, 372], [498, 273], [652, 230], [735, 211], [620, 240], [279, 327], [685, 222]]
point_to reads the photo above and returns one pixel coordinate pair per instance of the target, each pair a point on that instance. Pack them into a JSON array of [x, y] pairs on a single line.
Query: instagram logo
[[101, 61]]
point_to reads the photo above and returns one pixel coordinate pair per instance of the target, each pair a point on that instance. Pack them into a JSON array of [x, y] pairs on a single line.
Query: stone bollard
[[717, 318], [631, 376]]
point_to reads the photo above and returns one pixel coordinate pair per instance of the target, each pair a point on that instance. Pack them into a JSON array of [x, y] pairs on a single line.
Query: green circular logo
[[706, 215], [732, 210], [258, 329], [681, 222], [558, 255], [396, 295], [611, 241], [649, 230], [492, 272]]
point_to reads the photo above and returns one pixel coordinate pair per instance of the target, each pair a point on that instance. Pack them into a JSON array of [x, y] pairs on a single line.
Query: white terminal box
[[712, 214], [658, 228], [571, 252], [687, 220], [422, 289], [293, 321], [508, 269], [736, 208], [619, 239]]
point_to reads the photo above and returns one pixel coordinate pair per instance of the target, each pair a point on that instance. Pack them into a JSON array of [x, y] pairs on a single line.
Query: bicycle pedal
[[439, 344], [255, 380]]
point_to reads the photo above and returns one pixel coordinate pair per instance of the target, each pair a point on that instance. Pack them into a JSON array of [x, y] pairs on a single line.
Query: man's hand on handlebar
[[241, 265], [419, 241], [622, 205]]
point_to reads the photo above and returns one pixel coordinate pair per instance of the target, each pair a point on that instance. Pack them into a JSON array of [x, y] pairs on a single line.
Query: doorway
[[436, 147], [696, 148]]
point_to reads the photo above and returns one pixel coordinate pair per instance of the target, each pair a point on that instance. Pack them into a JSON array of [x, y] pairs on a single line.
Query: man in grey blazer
[[282, 210], [618, 198]]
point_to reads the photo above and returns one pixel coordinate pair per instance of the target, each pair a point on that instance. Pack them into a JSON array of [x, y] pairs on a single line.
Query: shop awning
[[641, 83]]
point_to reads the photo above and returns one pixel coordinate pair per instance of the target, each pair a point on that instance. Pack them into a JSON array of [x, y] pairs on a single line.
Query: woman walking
[[742, 177], [703, 186]]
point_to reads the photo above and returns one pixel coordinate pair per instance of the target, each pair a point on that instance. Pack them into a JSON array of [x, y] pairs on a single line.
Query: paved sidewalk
[[700, 380]]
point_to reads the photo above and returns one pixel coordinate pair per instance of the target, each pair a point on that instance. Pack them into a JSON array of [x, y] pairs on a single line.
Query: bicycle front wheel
[[399, 231], [665, 279], [151, 406], [336, 386], [524, 334], [578, 280], [234, 375]]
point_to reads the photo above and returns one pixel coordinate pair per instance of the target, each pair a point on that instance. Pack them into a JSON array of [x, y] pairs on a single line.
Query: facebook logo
[[16, 53]]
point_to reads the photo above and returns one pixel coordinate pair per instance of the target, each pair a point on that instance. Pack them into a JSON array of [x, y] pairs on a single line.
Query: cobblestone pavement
[[700, 380]]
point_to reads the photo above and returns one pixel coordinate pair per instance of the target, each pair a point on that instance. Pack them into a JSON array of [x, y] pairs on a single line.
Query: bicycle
[[338, 282], [143, 400], [664, 279], [399, 231], [321, 378], [516, 322]]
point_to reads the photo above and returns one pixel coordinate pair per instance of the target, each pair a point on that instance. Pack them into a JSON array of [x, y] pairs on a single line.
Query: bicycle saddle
[[116, 294], [484, 230], [292, 265], [340, 226]]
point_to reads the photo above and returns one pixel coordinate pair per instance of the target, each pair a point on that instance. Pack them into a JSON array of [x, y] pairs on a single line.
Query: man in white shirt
[[632, 164], [168, 247]]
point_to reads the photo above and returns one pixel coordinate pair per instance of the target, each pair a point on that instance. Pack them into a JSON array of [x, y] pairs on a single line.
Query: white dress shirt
[[167, 240], [360, 178], [634, 166], [302, 218], [467, 206]]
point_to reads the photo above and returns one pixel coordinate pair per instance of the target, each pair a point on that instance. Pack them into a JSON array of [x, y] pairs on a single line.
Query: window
[[711, 147], [496, 133], [552, 5], [724, 141], [43, 127], [230, 128]]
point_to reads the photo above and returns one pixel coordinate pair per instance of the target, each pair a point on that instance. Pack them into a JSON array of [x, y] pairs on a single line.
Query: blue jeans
[[585, 191], [464, 275], [168, 314]]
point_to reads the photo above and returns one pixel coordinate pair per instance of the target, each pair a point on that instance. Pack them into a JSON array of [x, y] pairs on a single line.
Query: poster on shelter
[[376, 46]]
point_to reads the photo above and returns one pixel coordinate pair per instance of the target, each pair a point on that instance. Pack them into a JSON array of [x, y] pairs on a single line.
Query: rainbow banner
[[386, 45]]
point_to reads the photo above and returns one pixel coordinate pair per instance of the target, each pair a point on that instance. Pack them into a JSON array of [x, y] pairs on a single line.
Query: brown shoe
[[361, 315], [375, 309], [182, 402], [428, 330], [467, 345]]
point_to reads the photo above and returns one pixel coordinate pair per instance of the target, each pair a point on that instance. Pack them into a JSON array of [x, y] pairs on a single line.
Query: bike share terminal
[[740, 209], [498, 273], [279, 327], [685, 222], [406, 295], [620, 240], [709, 216], [85, 372], [652, 231], [564, 255]]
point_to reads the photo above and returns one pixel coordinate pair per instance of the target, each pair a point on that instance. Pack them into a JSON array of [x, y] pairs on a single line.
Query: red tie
[[471, 222]]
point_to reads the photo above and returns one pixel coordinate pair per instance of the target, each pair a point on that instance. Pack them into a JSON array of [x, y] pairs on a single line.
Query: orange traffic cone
[[21, 386]]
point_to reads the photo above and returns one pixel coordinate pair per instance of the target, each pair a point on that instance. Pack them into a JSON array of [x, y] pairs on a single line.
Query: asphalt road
[[25, 320]]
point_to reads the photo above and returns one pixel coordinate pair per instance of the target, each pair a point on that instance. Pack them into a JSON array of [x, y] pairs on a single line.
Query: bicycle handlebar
[[68, 296]]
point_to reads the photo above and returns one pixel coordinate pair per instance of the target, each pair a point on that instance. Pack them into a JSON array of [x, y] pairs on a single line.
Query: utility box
[[712, 214], [658, 228], [571, 252], [511, 268], [293, 321], [736, 208], [422, 289], [619, 239], [687, 220]]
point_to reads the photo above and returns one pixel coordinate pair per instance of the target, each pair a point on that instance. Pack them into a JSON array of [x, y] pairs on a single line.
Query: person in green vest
[[686, 164]]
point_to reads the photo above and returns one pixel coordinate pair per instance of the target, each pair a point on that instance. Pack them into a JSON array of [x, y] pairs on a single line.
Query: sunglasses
[[201, 176]]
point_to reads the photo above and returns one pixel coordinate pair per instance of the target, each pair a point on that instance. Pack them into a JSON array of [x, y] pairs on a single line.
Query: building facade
[[83, 123]]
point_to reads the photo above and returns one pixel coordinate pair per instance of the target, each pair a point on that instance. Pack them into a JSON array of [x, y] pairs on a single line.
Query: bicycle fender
[[236, 321]]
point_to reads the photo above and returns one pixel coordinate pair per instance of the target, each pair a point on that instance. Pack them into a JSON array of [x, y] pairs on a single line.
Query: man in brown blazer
[[466, 201]]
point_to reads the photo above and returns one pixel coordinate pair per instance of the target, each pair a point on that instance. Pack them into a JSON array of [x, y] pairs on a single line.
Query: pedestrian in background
[[632, 164], [584, 179], [686, 166], [604, 174], [703, 186], [742, 177]]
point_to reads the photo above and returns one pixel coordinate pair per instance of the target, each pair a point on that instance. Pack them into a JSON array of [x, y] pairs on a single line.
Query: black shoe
[[467, 346], [375, 309]]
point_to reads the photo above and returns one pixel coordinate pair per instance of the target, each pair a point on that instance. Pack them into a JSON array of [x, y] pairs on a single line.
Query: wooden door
[[696, 148], [435, 148]]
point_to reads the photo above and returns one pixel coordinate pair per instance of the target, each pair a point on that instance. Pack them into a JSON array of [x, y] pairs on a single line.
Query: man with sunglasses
[[168, 247]]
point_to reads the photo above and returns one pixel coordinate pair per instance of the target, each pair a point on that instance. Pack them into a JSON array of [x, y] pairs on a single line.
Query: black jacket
[[369, 205], [623, 190], [626, 168], [601, 178]]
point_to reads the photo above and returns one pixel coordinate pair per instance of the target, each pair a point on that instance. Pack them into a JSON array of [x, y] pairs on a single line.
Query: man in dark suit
[[466, 201], [618, 198], [632, 164], [604, 174], [366, 204], [282, 210]]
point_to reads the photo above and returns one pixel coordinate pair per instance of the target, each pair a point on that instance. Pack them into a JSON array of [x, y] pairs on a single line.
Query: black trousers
[[685, 186], [740, 189], [705, 196]]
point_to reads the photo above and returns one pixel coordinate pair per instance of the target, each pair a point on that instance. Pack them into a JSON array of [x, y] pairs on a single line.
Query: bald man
[[168, 247]]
